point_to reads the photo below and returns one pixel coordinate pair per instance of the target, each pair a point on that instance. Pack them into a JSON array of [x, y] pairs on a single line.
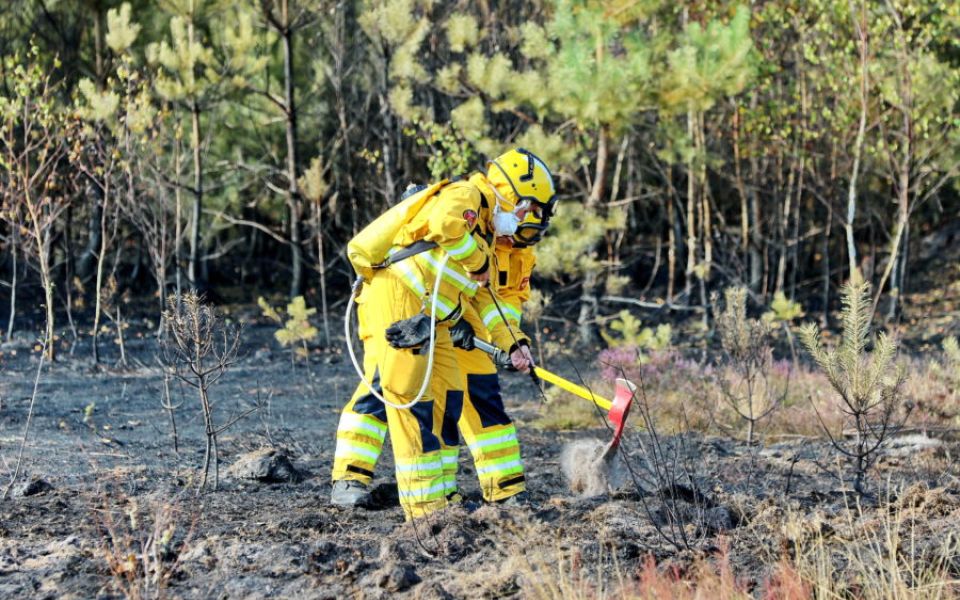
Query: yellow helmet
[[526, 175]]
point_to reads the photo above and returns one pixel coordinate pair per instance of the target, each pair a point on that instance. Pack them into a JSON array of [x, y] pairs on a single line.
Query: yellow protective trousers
[[415, 432], [489, 433]]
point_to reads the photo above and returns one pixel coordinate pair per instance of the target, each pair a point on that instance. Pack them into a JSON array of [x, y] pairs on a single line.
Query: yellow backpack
[[367, 251]]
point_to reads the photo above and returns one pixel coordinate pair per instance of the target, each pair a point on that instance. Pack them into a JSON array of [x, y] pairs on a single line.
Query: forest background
[[148, 147]]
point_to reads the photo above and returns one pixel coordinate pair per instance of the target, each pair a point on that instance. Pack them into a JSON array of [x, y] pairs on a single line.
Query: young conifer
[[868, 383]]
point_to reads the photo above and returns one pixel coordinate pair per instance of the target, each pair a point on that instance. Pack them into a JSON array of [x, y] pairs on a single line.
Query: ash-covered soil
[[118, 515]]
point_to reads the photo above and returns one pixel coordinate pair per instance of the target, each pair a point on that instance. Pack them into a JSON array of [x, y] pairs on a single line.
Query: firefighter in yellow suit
[[460, 220], [488, 431]]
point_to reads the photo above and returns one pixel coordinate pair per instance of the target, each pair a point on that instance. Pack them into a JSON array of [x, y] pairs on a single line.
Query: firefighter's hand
[[521, 358], [462, 335], [481, 278], [409, 333]]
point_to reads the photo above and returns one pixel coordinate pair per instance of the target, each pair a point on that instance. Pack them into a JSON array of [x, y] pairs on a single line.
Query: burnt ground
[[120, 517]]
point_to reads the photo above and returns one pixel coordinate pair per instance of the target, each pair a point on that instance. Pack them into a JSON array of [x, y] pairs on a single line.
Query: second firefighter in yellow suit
[[518, 186], [488, 431]]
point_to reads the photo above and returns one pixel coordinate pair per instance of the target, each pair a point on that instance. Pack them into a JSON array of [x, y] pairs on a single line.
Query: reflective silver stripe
[[510, 437], [455, 278], [344, 446], [512, 312], [410, 277], [352, 422], [462, 249], [492, 434], [501, 467], [491, 317], [410, 468], [448, 307], [433, 489]]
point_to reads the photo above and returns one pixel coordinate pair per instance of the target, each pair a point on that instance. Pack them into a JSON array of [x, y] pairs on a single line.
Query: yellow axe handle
[[571, 387], [500, 357]]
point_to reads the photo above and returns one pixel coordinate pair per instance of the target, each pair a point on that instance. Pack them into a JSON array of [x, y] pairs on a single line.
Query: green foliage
[[783, 310], [860, 378], [536, 43], [187, 66], [462, 32], [296, 328], [708, 64], [391, 21], [100, 106], [627, 330], [450, 152], [591, 82], [573, 234], [121, 32]]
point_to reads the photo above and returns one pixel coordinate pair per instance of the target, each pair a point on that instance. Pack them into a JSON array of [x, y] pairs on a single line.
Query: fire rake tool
[[617, 410]]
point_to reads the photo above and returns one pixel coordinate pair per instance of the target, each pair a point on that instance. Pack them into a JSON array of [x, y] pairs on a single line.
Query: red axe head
[[620, 408]]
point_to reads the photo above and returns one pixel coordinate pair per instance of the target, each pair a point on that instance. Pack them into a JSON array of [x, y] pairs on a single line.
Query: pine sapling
[[868, 383], [198, 348], [296, 330], [744, 377]]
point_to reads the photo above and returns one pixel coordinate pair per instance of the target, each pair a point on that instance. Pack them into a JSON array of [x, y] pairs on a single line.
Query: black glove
[[409, 333], [462, 335]]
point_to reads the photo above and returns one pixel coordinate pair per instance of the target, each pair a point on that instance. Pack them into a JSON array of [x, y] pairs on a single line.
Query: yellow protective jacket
[[510, 281], [455, 216]]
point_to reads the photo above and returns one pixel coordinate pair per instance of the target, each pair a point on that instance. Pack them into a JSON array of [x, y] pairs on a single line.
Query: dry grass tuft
[[142, 544]]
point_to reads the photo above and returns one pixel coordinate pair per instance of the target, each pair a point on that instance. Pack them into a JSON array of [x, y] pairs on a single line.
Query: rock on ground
[[267, 465]]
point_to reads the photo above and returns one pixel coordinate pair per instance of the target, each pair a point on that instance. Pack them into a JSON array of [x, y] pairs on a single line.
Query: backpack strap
[[413, 249]]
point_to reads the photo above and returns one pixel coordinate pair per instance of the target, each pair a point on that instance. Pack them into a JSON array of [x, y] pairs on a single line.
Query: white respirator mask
[[505, 222]]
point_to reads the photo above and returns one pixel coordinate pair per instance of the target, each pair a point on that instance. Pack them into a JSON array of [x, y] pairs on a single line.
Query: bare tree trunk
[[706, 222], [47, 282], [321, 264], [101, 257], [795, 235], [824, 316], [178, 219], [192, 270], [294, 204], [757, 258], [161, 269], [741, 189], [691, 219], [861, 131], [703, 185], [14, 252], [88, 257], [588, 301], [671, 241], [903, 215]]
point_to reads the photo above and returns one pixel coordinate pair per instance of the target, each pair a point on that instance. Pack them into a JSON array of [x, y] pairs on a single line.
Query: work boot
[[350, 493]]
